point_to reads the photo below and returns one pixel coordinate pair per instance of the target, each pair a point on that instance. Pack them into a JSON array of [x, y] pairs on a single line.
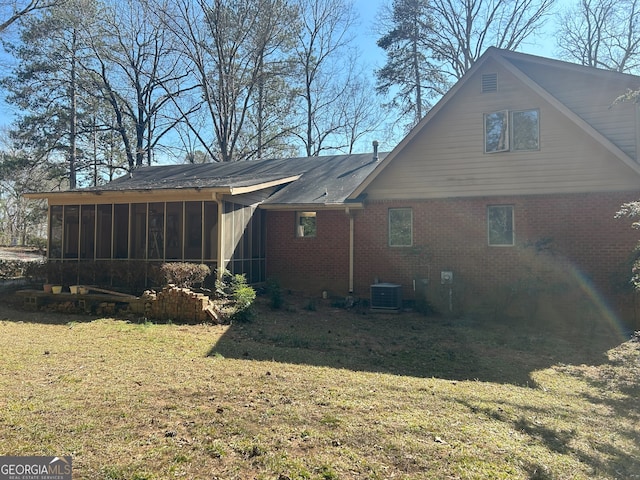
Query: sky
[[367, 10], [366, 37]]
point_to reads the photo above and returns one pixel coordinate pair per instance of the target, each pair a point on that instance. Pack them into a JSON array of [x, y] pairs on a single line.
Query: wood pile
[[179, 304]]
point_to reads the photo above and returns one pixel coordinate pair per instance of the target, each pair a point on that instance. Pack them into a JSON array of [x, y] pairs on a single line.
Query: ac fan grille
[[386, 296]]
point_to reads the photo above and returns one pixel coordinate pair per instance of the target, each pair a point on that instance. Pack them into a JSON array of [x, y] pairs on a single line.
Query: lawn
[[312, 391]]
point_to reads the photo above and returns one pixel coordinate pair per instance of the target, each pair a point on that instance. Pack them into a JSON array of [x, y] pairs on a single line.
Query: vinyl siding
[[446, 159]]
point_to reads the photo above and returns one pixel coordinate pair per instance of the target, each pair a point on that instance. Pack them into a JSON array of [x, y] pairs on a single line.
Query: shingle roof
[[320, 180]]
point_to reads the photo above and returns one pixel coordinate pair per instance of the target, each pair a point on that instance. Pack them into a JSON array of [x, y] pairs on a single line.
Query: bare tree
[[363, 113], [325, 67], [601, 33], [14, 10], [22, 221], [136, 71], [464, 29], [234, 49]]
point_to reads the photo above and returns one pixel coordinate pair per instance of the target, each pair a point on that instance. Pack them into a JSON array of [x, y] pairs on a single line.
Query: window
[[496, 129], [400, 227], [524, 134], [305, 224], [511, 131], [500, 225]]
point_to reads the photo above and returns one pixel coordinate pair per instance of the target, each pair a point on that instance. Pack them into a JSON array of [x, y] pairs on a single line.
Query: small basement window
[[305, 224]]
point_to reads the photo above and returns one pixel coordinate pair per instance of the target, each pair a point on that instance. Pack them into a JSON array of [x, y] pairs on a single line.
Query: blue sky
[[366, 38], [368, 9]]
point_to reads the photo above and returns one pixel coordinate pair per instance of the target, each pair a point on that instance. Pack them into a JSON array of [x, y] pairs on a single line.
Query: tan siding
[[446, 159]]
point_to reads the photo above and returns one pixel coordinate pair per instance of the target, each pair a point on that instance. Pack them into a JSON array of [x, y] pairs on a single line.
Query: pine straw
[[319, 393]]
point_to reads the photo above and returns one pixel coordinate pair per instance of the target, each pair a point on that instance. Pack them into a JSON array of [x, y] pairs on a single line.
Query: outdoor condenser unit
[[386, 296]]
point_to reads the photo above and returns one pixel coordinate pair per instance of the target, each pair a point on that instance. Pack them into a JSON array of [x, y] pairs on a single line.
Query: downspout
[[219, 245], [351, 248]]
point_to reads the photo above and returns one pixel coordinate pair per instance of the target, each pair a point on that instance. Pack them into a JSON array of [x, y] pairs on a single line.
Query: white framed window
[[400, 227], [306, 224], [500, 226], [515, 131]]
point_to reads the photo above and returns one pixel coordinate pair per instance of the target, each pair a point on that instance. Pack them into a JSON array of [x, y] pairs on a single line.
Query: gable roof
[[526, 68], [325, 181]]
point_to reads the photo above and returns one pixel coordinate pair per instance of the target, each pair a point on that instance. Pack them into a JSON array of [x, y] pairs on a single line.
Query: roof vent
[[489, 83], [375, 150]]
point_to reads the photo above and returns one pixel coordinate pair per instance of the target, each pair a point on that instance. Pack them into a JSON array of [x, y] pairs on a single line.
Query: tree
[[464, 29], [13, 11], [21, 221], [409, 70], [362, 112], [235, 50], [430, 43], [601, 33], [48, 86], [325, 67], [137, 73]]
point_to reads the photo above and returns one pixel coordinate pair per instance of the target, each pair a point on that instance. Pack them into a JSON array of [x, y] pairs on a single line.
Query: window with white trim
[[305, 224], [400, 227], [500, 227]]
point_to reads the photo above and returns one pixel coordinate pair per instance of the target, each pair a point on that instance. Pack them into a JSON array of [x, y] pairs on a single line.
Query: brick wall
[[309, 264], [562, 242]]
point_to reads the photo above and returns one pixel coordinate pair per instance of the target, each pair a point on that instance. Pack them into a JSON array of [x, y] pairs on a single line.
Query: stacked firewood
[[181, 305]]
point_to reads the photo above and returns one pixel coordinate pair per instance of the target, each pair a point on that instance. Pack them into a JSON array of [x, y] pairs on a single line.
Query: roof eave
[[125, 192], [312, 206], [144, 192]]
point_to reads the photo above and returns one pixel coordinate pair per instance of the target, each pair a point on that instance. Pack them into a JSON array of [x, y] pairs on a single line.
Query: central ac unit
[[386, 296]]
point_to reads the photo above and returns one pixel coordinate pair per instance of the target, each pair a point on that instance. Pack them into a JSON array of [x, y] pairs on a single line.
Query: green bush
[[238, 293], [275, 294]]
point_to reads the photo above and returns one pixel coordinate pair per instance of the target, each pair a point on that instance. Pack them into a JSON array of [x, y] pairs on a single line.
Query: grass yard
[[315, 392]]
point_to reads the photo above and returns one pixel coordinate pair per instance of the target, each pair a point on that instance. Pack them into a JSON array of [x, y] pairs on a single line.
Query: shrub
[[238, 293], [183, 274], [275, 293]]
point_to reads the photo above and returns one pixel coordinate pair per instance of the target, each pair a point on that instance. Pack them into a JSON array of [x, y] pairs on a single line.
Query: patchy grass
[[320, 394]]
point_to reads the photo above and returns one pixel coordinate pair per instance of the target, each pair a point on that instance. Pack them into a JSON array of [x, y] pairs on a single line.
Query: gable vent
[[489, 83]]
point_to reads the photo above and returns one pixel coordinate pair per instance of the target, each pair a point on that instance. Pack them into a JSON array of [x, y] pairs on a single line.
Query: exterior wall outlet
[[446, 277]]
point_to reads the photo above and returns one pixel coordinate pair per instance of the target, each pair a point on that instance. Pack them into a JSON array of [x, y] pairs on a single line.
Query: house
[[502, 198]]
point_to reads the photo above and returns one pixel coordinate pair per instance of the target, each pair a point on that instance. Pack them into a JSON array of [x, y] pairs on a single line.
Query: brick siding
[[561, 241]]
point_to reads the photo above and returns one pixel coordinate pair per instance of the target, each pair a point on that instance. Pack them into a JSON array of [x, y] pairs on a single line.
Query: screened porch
[[115, 243]]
